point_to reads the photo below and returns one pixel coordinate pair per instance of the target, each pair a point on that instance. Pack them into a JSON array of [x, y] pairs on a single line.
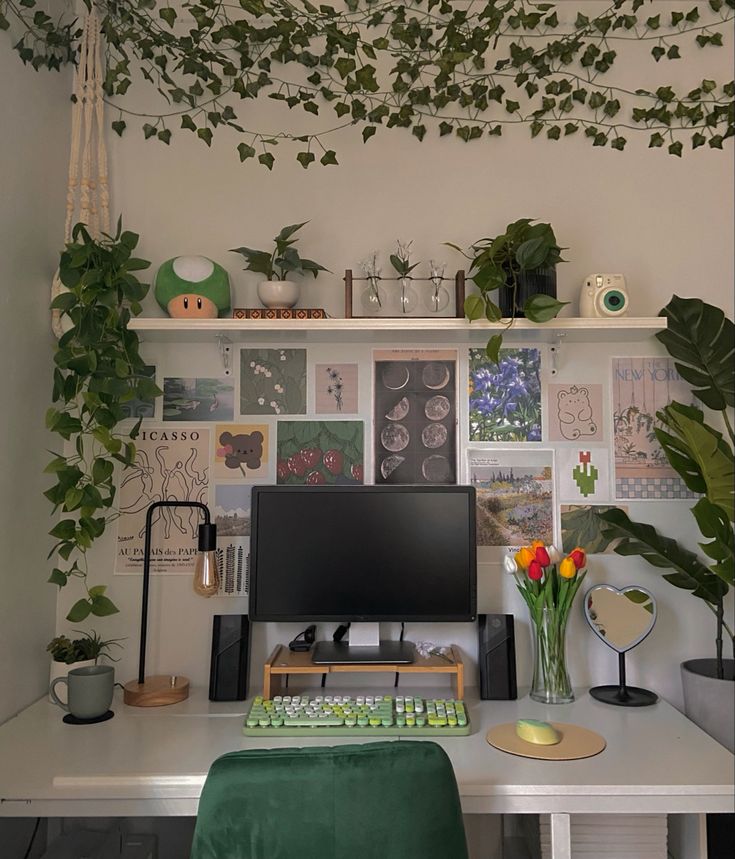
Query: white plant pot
[[61, 669], [708, 701], [278, 293]]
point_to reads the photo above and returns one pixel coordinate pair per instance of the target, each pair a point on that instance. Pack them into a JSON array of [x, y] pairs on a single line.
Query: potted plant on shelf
[[80, 652], [98, 370], [700, 338], [519, 267], [284, 260]]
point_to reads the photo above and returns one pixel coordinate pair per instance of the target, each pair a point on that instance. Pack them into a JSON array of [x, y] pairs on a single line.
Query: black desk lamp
[[164, 689]]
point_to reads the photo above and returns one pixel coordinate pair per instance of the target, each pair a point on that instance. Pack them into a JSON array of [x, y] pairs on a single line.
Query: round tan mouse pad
[[576, 742]]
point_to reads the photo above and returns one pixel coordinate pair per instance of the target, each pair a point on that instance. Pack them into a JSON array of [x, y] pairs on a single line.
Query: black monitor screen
[[363, 553]]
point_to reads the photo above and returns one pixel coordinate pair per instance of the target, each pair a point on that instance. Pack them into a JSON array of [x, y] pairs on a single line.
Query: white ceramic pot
[[708, 701], [278, 293], [61, 669]]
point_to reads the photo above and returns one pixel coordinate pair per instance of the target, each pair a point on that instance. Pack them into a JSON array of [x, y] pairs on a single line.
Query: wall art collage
[[542, 456]]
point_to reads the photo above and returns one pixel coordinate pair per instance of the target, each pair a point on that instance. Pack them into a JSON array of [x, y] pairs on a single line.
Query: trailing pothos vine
[[98, 369], [469, 70]]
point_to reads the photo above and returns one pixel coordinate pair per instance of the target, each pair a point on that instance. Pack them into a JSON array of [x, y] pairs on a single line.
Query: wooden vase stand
[[284, 662]]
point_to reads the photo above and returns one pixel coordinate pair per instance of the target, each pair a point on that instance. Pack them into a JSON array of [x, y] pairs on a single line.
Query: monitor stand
[[365, 647]]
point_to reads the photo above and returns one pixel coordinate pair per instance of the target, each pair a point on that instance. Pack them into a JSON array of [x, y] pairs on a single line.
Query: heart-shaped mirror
[[621, 618]]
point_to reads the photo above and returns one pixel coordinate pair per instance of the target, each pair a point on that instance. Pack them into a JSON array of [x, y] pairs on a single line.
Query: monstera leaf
[[663, 552], [702, 339], [699, 454], [714, 525]]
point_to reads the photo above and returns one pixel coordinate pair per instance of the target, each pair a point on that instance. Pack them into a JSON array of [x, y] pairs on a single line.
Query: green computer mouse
[[536, 732]]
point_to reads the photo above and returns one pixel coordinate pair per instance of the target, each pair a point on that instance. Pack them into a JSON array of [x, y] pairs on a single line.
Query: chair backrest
[[390, 800]]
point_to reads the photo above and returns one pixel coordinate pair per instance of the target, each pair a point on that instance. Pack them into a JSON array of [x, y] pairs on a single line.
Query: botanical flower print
[[505, 398], [336, 388], [272, 381]]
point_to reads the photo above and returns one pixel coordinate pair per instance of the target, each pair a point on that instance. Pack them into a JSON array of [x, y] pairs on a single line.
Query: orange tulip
[[536, 543], [523, 557], [567, 568]]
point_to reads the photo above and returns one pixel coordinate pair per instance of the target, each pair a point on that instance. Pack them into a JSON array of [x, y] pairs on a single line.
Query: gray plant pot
[[708, 701]]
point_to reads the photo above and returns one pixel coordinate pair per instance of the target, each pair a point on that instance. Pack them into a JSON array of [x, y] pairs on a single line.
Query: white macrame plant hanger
[[87, 193]]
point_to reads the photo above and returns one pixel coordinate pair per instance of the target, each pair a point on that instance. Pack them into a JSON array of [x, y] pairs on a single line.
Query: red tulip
[[579, 557], [542, 556], [535, 571]]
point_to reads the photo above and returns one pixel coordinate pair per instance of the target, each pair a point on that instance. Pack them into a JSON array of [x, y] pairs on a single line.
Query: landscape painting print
[[232, 509], [505, 398], [273, 381], [640, 387], [313, 453], [198, 399], [515, 496], [171, 464]]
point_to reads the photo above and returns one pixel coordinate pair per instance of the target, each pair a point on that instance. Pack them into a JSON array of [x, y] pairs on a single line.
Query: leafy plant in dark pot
[[518, 269], [700, 338]]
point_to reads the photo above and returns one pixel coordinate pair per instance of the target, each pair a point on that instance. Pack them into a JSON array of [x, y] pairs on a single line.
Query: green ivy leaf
[[492, 348], [164, 135], [542, 308], [205, 134], [676, 148], [118, 126], [368, 132], [474, 307], [329, 157], [79, 611], [305, 158], [245, 151], [168, 15]]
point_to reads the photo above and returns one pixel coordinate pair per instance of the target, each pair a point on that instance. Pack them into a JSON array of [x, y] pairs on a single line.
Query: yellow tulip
[[523, 557], [536, 543], [567, 569]]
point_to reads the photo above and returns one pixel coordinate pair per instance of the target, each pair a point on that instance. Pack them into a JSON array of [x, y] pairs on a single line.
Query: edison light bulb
[[206, 574]]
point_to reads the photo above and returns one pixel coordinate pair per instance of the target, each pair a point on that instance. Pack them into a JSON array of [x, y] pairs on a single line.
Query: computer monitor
[[363, 553]]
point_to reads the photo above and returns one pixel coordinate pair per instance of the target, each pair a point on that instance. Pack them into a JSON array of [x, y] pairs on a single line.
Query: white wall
[[666, 223], [34, 135]]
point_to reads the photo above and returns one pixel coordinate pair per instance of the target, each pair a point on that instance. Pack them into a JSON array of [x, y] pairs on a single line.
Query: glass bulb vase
[[550, 683]]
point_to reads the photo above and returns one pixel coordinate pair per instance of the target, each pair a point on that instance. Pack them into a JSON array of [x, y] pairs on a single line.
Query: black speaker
[[496, 657], [228, 672]]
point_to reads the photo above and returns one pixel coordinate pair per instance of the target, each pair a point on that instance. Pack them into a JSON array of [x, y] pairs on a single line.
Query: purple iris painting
[[505, 398]]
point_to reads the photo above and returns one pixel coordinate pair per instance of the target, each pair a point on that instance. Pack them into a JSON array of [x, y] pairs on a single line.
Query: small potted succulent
[[518, 267], [283, 261], [80, 652]]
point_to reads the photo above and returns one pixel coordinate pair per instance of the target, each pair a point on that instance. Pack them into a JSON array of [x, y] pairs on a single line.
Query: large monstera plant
[[98, 369], [701, 339], [470, 71]]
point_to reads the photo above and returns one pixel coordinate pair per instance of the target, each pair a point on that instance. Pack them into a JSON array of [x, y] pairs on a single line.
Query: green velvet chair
[[390, 800]]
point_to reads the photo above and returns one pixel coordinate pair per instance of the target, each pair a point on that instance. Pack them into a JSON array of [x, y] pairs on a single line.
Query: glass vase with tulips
[[548, 584]]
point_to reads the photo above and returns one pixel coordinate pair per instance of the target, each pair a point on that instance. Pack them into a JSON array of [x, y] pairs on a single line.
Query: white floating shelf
[[570, 329]]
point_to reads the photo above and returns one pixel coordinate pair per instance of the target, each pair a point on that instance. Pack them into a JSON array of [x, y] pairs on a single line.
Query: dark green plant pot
[[540, 282]]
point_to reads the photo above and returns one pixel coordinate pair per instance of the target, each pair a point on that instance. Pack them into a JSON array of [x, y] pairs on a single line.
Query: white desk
[[153, 762]]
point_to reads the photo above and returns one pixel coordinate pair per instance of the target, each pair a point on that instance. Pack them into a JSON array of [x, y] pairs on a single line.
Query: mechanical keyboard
[[356, 716]]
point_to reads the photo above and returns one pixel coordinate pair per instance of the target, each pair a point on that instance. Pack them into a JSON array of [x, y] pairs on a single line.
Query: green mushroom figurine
[[192, 287]]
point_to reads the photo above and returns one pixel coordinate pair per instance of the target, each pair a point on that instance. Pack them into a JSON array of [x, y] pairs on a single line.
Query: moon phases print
[[415, 416]]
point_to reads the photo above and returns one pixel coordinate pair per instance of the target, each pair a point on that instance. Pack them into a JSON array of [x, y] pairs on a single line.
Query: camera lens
[[614, 300]]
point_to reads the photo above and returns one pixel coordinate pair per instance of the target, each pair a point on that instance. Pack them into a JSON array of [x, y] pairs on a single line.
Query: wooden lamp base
[[156, 691]]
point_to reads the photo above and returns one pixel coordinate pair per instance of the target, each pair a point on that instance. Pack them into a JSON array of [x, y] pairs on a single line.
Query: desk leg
[[561, 836]]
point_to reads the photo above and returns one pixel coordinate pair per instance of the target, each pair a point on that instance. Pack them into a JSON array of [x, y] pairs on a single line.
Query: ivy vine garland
[[463, 69]]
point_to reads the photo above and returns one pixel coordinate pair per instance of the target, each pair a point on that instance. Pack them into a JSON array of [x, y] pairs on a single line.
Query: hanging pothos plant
[[98, 369], [467, 70]]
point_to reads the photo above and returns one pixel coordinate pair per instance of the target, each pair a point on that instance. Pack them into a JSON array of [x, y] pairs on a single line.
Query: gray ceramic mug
[[89, 691]]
